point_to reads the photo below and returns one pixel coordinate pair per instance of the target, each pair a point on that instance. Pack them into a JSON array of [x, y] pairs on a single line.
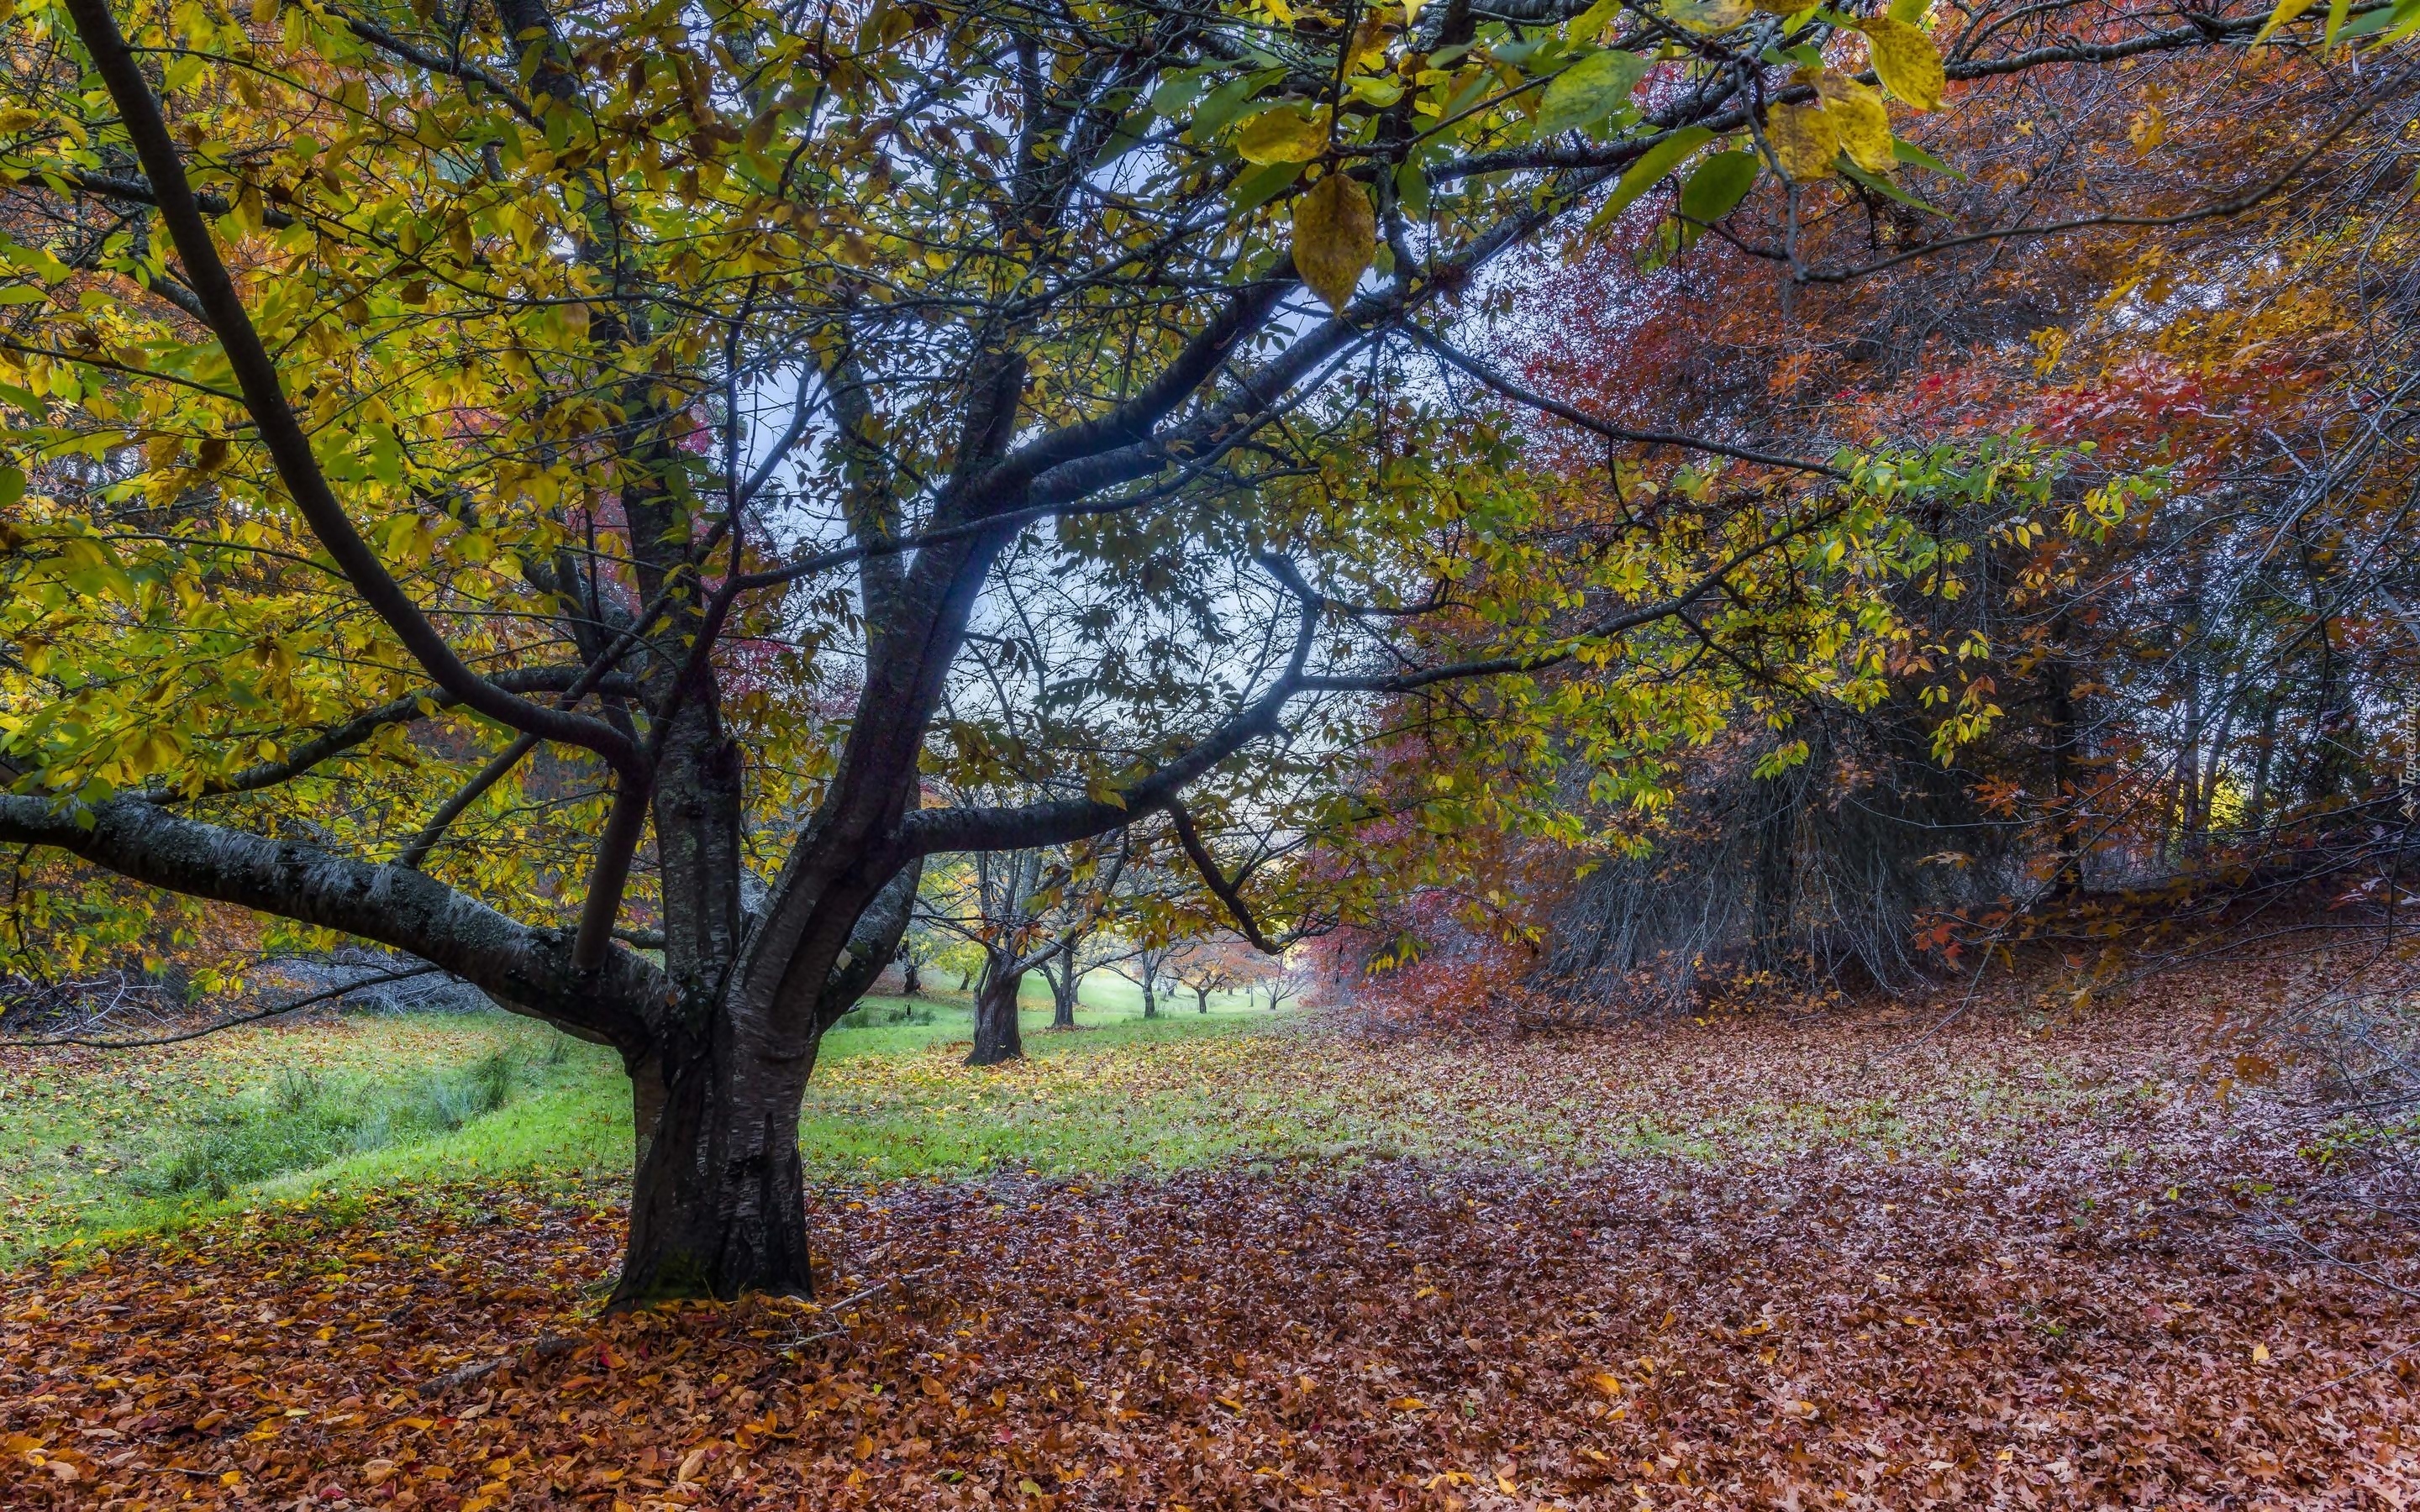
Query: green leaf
[[1260, 185], [1716, 186], [1122, 141], [1590, 90], [1910, 153], [1884, 187], [1227, 101], [1650, 170], [2369, 22], [1177, 93], [12, 486], [2407, 20]]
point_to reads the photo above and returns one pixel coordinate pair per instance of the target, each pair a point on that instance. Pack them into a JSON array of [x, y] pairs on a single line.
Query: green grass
[[326, 1113], [97, 1142]]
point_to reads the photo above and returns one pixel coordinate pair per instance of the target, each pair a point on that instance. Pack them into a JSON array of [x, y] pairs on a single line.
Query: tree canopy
[[494, 478]]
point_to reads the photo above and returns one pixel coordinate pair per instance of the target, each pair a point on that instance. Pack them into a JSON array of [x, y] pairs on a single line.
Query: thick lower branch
[[525, 968]]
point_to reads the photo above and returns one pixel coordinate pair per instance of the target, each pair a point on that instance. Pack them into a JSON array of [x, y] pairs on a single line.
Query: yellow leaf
[[1804, 141], [1285, 134], [1861, 119], [2147, 129], [1592, 23], [1409, 1404], [1335, 235], [1906, 61], [2259, 1354], [1709, 16], [2286, 10], [1608, 1382]]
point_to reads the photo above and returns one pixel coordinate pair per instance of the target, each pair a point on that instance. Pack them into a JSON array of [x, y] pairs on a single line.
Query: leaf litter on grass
[[1997, 1268]]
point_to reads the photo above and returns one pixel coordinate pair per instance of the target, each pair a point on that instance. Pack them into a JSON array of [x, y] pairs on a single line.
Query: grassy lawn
[[96, 1141]]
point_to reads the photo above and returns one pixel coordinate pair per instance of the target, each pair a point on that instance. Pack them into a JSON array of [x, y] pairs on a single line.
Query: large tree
[[489, 477]]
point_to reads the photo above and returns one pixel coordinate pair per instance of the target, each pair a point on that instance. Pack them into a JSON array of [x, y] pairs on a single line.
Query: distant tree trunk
[[2257, 811], [995, 1033], [2328, 769], [912, 976], [1201, 999], [1775, 876], [1063, 982], [2186, 799], [1150, 999], [2066, 771]]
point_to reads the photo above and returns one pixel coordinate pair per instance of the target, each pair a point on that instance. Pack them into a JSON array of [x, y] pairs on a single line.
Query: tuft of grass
[[304, 1118], [885, 1012]]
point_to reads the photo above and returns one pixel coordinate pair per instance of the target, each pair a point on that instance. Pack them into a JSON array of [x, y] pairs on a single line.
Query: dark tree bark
[[912, 976], [718, 1203], [2066, 761], [1066, 981], [997, 1038]]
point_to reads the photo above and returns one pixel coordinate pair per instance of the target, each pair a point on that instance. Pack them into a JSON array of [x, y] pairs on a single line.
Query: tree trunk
[[911, 979], [1201, 999], [995, 1033], [2066, 769], [717, 1204], [1063, 983], [1150, 999]]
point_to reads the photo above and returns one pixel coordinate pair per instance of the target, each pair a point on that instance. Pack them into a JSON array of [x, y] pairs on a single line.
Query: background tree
[[1212, 965], [921, 944], [2166, 685]]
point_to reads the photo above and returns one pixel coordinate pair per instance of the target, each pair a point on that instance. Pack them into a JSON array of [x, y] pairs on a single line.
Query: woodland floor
[[1867, 1260]]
